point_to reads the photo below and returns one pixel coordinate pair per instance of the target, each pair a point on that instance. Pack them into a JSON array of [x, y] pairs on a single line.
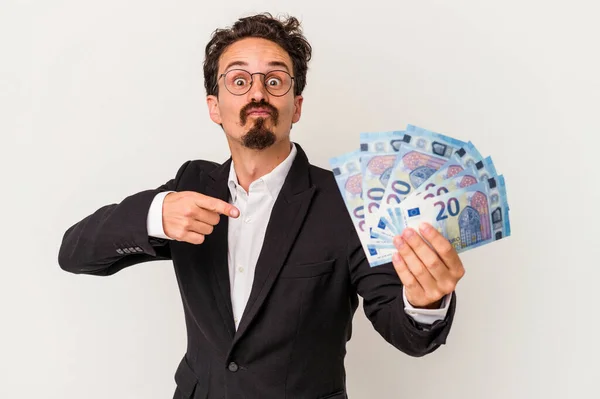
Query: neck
[[250, 165]]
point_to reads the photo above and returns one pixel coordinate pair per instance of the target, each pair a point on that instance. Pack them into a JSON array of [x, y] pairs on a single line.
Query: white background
[[102, 99]]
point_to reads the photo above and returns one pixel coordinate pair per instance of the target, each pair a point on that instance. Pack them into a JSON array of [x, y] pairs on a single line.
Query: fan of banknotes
[[400, 179]]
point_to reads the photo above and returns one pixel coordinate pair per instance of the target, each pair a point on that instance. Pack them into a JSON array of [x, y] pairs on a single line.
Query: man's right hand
[[189, 216]]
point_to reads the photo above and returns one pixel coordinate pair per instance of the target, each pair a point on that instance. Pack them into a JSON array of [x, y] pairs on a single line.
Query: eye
[[273, 81], [240, 82]]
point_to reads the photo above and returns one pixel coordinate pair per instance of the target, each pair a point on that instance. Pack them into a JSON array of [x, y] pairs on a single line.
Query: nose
[[258, 91]]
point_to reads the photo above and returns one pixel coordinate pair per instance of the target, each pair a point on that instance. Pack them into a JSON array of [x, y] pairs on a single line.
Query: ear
[[213, 109], [297, 108]]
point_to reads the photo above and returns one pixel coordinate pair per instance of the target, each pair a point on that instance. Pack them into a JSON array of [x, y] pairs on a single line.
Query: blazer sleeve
[[381, 290], [115, 236]]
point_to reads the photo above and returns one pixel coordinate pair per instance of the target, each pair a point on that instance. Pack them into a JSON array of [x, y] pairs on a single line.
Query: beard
[[259, 136]]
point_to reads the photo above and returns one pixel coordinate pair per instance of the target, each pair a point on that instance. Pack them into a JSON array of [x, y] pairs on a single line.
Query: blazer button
[[233, 367]]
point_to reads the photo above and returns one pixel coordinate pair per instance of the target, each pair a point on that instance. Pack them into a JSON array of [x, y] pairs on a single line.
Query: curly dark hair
[[287, 33]]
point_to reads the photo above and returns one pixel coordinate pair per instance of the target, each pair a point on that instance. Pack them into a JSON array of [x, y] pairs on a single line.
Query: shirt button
[[241, 269], [233, 367], [248, 219]]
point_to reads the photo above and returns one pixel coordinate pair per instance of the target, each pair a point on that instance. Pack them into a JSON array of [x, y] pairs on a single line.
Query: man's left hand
[[427, 276]]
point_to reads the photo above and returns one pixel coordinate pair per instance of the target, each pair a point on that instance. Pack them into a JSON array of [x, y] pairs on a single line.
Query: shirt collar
[[273, 180]]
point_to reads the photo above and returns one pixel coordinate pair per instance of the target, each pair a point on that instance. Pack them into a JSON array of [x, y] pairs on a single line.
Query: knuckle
[[459, 272], [198, 196], [182, 232], [186, 224], [445, 248], [410, 283], [434, 265], [418, 270], [213, 206], [414, 241], [404, 249], [178, 234], [398, 263], [434, 295], [448, 287], [419, 243]]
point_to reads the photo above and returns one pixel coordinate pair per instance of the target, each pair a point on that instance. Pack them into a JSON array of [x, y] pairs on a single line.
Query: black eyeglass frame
[[252, 81]]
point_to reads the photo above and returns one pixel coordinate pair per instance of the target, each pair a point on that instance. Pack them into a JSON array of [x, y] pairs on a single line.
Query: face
[[256, 119]]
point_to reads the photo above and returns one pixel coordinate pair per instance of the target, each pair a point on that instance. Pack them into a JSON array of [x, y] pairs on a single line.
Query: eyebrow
[[279, 64], [271, 64], [235, 63]]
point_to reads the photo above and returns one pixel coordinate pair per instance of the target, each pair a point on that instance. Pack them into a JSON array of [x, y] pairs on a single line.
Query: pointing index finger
[[218, 206]]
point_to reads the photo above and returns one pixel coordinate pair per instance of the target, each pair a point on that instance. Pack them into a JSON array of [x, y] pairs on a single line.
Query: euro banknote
[[467, 218], [423, 171], [348, 176], [416, 161]]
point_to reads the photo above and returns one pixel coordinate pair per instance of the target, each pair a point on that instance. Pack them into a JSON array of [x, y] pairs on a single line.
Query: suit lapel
[[217, 187], [289, 212]]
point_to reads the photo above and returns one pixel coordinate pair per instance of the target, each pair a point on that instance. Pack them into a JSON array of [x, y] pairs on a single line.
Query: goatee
[[259, 137]]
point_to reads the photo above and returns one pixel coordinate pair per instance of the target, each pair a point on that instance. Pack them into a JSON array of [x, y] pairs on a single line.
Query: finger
[[206, 216], [201, 228], [444, 249], [218, 206], [189, 230], [409, 281], [427, 255], [193, 238], [416, 267]]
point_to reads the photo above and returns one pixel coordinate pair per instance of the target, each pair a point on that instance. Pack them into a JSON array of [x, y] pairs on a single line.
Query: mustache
[[257, 105]]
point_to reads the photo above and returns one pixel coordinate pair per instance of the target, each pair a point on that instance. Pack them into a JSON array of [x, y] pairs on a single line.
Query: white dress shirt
[[247, 232]]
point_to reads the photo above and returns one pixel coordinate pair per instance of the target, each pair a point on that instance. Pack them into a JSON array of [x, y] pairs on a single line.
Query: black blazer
[[291, 341]]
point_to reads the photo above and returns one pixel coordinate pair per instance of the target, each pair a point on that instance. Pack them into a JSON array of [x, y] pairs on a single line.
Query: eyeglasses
[[238, 81]]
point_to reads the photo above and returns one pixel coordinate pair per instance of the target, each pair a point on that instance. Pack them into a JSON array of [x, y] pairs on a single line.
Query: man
[[267, 260]]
